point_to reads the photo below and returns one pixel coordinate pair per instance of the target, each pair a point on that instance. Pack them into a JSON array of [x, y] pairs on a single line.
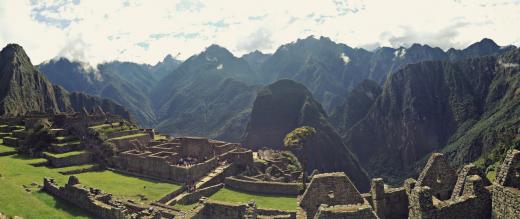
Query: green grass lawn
[[129, 136], [71, 168], [185, 207], [16, 171], [262, 201], [67, 154], [4, 149]]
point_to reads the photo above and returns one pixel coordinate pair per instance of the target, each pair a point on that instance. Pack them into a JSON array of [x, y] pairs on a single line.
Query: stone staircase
[[199, 184]]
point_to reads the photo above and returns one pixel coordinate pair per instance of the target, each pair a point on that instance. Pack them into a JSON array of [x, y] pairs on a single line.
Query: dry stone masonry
[[204, 166]]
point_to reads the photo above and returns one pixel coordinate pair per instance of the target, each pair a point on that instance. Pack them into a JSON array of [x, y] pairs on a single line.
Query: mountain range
[[388, 108]]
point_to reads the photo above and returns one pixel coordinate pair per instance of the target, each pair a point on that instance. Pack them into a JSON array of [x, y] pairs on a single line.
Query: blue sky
[[96, 31]]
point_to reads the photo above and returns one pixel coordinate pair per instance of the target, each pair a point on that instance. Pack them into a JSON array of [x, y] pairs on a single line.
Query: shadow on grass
[[61, 205], [262, 195]]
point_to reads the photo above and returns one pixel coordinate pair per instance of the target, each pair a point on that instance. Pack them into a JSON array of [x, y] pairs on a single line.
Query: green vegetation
[[298, 136], [16, 172], [185, 207], [73, 168], [262, 201], [62, 155], [129, 136], [5, 149]]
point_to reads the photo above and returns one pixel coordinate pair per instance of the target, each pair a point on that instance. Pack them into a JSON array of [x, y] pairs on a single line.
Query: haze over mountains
[[389, 107]]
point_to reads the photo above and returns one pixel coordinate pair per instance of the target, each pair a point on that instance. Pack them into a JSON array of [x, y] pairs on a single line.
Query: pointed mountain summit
[[24, 89], [286, 105]]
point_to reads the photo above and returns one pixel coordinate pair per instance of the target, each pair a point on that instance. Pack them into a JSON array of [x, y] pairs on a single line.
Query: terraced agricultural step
[[19, 133], [58, 132], [72, 158], [64, 139], [6, 151], [7, 128], [79, 169], [11, 141], [5, 134], [65, 147]]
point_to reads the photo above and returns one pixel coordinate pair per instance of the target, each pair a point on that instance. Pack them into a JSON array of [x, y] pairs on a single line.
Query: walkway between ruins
[[217, 171]]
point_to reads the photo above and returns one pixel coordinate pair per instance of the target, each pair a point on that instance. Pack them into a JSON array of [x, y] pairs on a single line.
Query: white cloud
[[145, 31], [345, 58]]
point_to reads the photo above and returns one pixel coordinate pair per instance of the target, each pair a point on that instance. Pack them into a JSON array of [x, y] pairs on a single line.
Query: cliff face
[[23, 89], [285, 105], [438, 106]]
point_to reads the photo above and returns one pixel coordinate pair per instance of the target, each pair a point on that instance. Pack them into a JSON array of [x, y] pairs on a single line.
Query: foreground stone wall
[[263, 187], [103, 205], [506, 188], [474, 203], [439, 176], [346, 211], [195, 196], [219, 210], [388, 203], [330, 189]]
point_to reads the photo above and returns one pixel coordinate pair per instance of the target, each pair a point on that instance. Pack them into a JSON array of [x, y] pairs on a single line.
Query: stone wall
[[220, 210], [126, 144], [103, 205], [195, 196], [238, 156], [330, 189], [506, 202], [388, 203], [159, 166], [345, 211], [506, 188], [79, 159], [439, 176], [263, 187], [474, 203]]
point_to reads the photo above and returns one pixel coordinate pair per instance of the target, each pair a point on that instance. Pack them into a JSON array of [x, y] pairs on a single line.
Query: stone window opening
[[439, 179], [331, 194]]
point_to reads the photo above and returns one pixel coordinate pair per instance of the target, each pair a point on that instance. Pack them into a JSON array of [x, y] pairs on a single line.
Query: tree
[[298, 140]]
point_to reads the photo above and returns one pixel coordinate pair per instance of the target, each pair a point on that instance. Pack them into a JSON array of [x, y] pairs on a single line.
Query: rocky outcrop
[[459, 108], [24, 89], [285, 105]]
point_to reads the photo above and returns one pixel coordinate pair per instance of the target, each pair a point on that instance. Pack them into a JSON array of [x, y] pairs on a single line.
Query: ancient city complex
[[204, 166]]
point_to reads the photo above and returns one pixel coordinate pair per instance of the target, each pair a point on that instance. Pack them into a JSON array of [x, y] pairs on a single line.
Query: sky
[[145, 31]]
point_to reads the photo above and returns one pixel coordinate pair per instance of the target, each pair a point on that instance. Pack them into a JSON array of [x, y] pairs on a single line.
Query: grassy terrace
[[262, 201], [17, 172], [68, 154], [4, 149], [129, 136], [71, 168], [66, 143]]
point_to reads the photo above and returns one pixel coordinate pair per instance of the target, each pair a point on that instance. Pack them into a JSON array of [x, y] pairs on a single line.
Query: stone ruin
[[337, 191], [438, 193], [439, 176], [104, 205], [181, 159], [333, 195]]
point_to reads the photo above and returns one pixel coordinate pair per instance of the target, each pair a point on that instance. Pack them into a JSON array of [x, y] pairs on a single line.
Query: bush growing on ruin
[[108, 149], [296, 140]]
